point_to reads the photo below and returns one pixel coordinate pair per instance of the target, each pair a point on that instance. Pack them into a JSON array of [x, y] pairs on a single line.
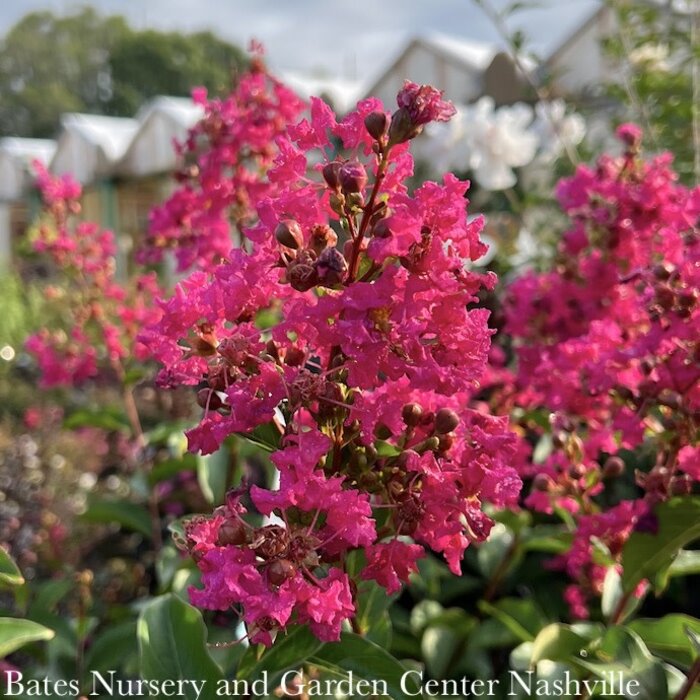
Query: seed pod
[[231, 532], [331, 267]]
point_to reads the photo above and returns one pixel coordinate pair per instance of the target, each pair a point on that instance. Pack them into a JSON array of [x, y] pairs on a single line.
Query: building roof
[[112, 135], [16, 158], [342, 93], [182, 110]]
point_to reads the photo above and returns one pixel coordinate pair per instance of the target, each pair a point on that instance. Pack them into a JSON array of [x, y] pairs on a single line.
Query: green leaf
[[118, 641], [171, 467], [172, 646], [686, 563], [557, 642], [668, 637], [369, 662], [266, 436], [129, 515], [48, 595], [622, 652], [10, 575], [288, 652], [521, 617], [15, 633], [438, 648], [105, 418], [373, 602], [386, 449], [213, 474], [649, 556]]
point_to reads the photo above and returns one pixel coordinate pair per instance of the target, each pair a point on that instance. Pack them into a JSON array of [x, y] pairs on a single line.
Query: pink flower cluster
[[344, 332], [104, 316], [225, 159], [608, 341]]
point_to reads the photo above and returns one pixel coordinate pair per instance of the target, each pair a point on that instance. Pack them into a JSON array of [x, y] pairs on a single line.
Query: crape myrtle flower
[[371, 349]]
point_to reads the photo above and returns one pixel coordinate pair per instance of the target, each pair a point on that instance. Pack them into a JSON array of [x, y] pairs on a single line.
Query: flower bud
[[376, 124], [663, 271], [411, 414], [279, 571], [206, 398], [352, 176], [613, 467], [294, 357], [446, 420], [330, 174], [288, 233], [381, 229], [541, 482], [402, 127]]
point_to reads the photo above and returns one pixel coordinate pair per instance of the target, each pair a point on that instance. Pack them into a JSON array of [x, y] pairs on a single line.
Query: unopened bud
[[613, 467], [207, 398], [663, 271], [411, 414], [446, 420], [330, 174], [541, 482], [288, 233], [376, 124], [402, 127], [279, 571], [294, 357], [381, 229], [352, 176]]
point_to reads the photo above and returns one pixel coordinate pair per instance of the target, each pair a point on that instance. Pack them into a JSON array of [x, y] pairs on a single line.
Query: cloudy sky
[[348, 38]]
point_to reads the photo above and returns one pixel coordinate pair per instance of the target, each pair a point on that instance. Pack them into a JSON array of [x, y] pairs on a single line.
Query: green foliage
[[652, 48], [15, 633], [172, 644], [87, 62]]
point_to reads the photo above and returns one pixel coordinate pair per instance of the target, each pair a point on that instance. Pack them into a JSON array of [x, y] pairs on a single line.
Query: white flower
[[654, 56], [498, 140], [556, 130]]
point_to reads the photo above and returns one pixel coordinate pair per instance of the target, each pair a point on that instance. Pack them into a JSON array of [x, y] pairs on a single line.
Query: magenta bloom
[[424, 104]]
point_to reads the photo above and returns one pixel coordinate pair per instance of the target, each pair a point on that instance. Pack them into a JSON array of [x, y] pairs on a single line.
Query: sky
[[351, 39]]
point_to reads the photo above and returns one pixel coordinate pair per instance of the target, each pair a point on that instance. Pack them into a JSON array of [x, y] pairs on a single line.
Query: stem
[[355, 257], [620, 608], [692, 678], [132, 413], [501, 570]]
